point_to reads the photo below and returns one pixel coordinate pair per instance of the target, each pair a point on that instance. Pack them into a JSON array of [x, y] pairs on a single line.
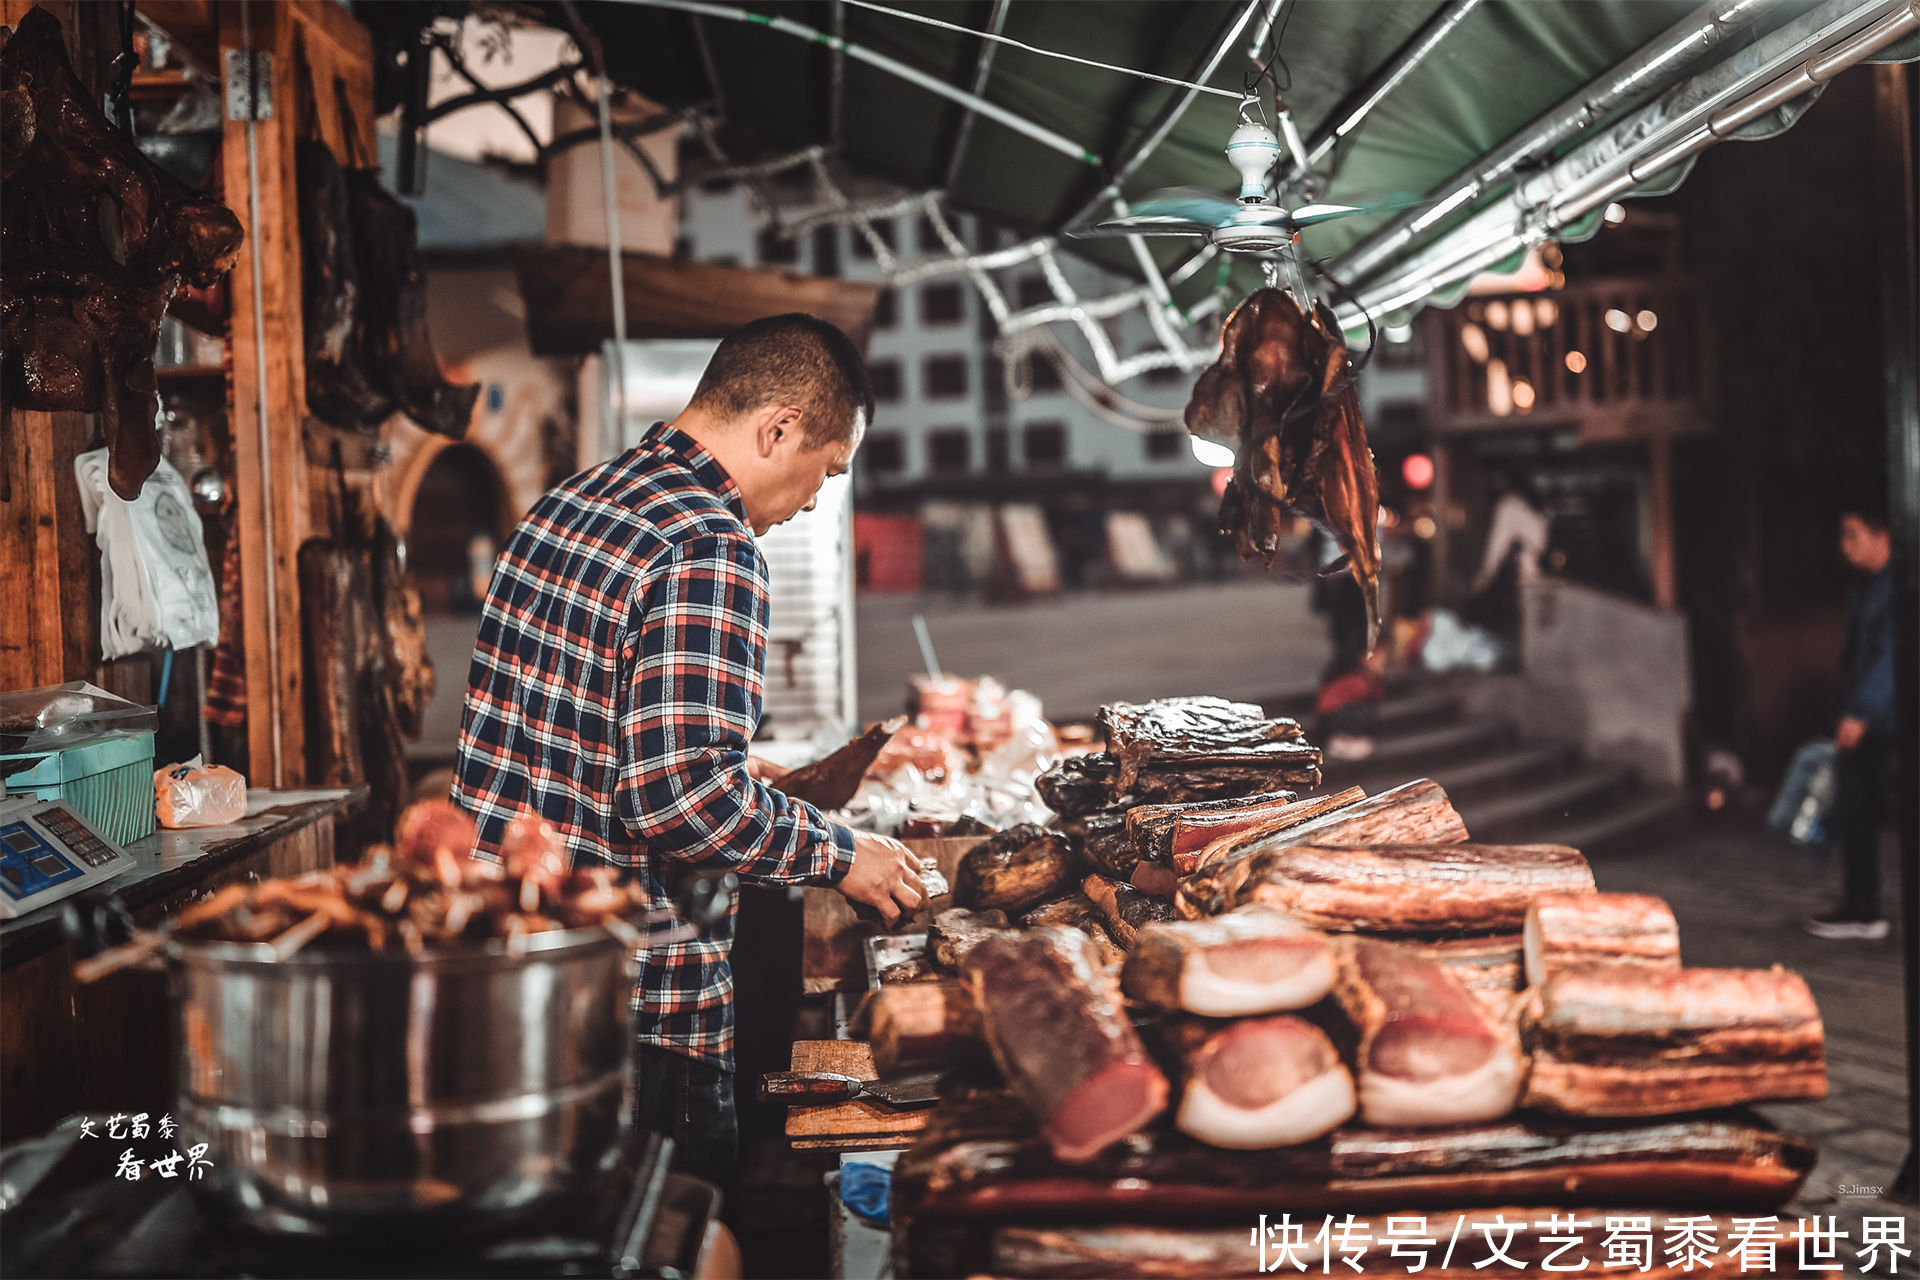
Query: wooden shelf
[[190, 372]]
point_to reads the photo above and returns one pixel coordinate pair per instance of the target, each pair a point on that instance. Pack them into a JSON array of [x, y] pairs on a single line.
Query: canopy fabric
[[1508, 61]]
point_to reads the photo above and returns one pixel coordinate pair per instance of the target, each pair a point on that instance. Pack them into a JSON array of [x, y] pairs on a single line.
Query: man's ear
[[781, 424]]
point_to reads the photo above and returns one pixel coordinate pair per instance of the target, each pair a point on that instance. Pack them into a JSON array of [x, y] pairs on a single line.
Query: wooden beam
[[569, 307]]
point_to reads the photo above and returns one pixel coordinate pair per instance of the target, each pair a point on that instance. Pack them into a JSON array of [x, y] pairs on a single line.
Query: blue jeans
[[692, 1103]]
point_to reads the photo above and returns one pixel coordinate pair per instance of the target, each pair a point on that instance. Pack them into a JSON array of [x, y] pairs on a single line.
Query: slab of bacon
[[1413, 888], [956, 931], [1256, 1082], [1566, 930], [1648, 1040], [1429, 1053], [1054, 1022], [1079, 785], [927, 1024], [1019, 868], [1125, 909], [1076, 911], [1281, 396], [1250, 961]]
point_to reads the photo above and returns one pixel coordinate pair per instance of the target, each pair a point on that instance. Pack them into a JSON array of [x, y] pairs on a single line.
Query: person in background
[[1516, 540], [617, 681], [1864, 740]]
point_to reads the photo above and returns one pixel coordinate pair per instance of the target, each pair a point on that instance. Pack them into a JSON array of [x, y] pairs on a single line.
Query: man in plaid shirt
[[617, 681]]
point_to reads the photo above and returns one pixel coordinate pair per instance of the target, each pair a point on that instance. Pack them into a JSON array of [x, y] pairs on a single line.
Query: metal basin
[[461, 1093]]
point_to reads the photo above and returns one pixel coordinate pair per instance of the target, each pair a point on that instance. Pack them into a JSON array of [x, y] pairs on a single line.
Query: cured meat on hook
[[1281, 396]]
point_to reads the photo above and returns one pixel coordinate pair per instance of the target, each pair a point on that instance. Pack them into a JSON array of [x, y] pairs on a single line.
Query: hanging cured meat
[[398, 352], [94, 241], [339, 391], [1281, 396]]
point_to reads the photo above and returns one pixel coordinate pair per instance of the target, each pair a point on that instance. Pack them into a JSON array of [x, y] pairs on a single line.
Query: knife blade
[[816, 1088]]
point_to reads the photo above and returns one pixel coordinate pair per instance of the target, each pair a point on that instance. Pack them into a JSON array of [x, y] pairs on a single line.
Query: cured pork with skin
[[1075, 912], [956, 931], [923, 1024], [1429, 1054], [1413, 888], [1079, 785], [1487, 965], [1258, 1082], [1187, 832], [1649, 1040], [1567, 930], [1015, 870], [1247, 962], [1125, 909], [1055, 1024]]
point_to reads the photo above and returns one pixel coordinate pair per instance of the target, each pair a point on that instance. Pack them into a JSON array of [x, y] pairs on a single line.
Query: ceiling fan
[[1249, 222]]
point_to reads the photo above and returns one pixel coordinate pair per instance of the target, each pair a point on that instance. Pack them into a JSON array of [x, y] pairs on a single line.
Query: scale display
[[48, 852]]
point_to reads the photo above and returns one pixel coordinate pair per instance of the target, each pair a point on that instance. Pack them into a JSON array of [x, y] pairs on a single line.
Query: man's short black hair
[[791, 359], [1867, 503]]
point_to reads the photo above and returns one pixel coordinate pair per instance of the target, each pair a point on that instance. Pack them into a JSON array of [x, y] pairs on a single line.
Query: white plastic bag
[[156, 588]]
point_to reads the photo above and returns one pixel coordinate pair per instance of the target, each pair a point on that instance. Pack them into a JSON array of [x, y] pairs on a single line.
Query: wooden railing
[[1616, 358]]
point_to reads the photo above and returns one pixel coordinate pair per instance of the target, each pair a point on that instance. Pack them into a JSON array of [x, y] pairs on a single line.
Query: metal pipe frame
[[1691, 117], [963, 134], [893, 66], [1657, 64], [1384, 82]]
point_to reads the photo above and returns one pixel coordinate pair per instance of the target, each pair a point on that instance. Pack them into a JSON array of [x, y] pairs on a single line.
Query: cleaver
[[815, 1088]]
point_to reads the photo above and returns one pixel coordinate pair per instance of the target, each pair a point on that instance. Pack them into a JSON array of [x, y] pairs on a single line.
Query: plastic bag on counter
[[60, 714], [194, 794]]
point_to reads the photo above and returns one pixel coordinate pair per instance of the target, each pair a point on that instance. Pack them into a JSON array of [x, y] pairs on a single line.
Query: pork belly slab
[[1566, 930], [1429, 1052], [1649, 1040], [1251, 961]]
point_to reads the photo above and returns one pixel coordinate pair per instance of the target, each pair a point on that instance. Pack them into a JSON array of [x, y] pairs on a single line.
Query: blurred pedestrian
[[1516, 540], [1864, 739]]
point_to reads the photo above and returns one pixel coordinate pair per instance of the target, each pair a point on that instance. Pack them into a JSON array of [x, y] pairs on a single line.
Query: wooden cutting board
[[848, 1126], [830, 947]]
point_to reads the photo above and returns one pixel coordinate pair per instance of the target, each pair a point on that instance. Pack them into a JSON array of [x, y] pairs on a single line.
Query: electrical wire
[[1045, 53], [1252, 82]]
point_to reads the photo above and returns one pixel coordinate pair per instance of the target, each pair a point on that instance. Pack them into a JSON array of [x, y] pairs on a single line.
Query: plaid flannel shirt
[[615, 684]]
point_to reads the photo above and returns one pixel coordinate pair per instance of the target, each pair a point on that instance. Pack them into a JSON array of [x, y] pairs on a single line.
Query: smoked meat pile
[[1336, 1003]]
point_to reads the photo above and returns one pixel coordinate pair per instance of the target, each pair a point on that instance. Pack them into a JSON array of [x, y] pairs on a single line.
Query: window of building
[[863, 247], [884, 453], [777, 250], [942, 304], [885, 310], [1033, 292], [1045, 444], [1041, 374], [1165, 446], [946, 376], [886, 380], [826, 251], [950, 450]]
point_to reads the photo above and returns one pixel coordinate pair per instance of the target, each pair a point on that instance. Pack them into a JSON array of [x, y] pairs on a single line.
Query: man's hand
[[1848, 735], [885, 876], [765, 771]]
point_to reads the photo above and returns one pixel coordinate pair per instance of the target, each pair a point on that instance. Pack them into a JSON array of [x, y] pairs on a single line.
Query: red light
[[1220, 477], [1417, 471]]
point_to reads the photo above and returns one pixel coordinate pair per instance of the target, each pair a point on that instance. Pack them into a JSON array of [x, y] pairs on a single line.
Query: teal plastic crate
[[108, 781]]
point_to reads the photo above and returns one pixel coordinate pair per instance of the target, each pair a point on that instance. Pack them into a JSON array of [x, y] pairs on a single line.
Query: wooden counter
[[108, 1047]]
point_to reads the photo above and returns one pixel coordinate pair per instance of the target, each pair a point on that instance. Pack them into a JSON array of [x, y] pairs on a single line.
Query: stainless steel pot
[[464, 1092]]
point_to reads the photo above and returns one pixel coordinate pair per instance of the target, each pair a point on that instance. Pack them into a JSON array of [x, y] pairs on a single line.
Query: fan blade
[[1196, 204], [1326, 210], [1142, 226]]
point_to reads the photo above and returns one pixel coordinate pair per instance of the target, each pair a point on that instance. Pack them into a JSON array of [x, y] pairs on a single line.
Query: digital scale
[[48, 852]]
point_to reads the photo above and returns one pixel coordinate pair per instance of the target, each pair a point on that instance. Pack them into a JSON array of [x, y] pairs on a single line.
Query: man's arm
[[694, 696]]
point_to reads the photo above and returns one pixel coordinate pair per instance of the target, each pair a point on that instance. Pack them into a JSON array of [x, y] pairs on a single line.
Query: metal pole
[[617, 275], [1658, 63], [1897, 99], [1797, 58], [995, 22]]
